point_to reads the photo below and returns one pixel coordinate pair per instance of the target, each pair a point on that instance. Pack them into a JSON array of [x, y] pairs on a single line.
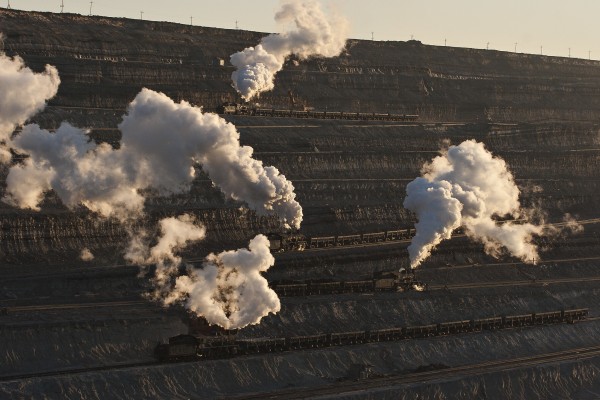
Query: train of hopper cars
[[291, 241], [393, 281], [240, 109], [191, 347], [296, 241]]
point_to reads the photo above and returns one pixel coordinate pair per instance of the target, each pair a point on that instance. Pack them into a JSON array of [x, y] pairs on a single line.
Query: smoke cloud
[[467, 186], [229, 289], [162, 142], [86, 255], [175, 234], [315, 33], [23, 94]]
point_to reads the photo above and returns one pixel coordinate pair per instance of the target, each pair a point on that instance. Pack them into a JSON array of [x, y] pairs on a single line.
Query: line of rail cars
[[281, 242], [190, 347], [383, 282], [240, 109]]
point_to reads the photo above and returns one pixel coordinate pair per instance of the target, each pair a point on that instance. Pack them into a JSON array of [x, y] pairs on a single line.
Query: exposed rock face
[[104, 61], [350, 176]]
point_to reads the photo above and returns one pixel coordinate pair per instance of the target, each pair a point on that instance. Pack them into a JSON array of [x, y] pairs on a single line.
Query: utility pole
[[569, 52], [141, 15], [91, 4], [8, 6], [62, 6], [444, 42], [589, 54], [487, 46], [191, 21], [236, 24], [541, 52], [411, 37], [516, 46], [372, 36]]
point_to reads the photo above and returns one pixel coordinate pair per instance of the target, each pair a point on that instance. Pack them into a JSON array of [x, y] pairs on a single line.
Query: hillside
[[540, 114]]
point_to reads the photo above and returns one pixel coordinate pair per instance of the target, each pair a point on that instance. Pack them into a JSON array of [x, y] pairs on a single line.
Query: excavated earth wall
[[540, 114]]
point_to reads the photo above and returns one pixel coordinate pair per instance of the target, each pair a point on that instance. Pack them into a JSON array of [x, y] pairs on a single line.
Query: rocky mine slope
[[541, 114], [105, 66]]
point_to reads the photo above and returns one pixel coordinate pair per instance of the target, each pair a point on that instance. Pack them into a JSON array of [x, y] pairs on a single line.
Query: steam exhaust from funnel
[[23, 93], [229, 289], [314, 33], [466, 187], [162, 142]]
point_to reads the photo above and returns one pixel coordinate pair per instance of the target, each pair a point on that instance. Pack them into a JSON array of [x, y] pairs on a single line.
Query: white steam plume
[[466, 187], [315, 34], [175, 234], [161, 143], [86, 255], [229, 290], [23, 93]]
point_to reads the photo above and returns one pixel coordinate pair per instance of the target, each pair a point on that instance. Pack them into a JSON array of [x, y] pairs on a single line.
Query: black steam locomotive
[[193, 347], [295, 241], [241, 109]]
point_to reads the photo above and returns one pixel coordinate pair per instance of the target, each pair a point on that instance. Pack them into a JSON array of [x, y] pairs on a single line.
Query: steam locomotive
[[395, 281], [295, 241], [193, 347], [241, 109]]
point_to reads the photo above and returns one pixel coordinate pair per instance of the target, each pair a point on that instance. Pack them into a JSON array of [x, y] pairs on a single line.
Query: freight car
[[241, 109], [295, 241], [189, 347]]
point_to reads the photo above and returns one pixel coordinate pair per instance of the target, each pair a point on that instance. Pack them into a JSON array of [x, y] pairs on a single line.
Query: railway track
[[585, 352], [75, 371], [352, 388], [533, 282], [72, 306], [320, 249], [475, 285]]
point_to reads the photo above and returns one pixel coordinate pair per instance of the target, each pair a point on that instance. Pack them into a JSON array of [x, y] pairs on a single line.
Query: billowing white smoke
[[161, 143], [175, 234], [86, 255], [23, 93], [315, 34], [229, 290], [466, 187]]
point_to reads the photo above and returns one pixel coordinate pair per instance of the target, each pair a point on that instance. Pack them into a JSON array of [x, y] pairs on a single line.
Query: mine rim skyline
[[570, 53]]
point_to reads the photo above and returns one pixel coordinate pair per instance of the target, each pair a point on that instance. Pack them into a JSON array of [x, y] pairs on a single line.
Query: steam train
[[241, 109], [295, 241], [401, 281], [192, 347]]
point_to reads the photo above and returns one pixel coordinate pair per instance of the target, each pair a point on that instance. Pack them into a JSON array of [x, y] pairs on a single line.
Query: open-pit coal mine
[[414, 221]]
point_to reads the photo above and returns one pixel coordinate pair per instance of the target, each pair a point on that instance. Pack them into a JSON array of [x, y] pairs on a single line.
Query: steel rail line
[[584, 352], [350, 388], [475, 285]]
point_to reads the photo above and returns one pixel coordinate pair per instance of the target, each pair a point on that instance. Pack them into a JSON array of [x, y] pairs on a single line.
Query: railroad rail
[[319, 288], [347, 389], [188, 347], [578, 353], [296, 241]]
